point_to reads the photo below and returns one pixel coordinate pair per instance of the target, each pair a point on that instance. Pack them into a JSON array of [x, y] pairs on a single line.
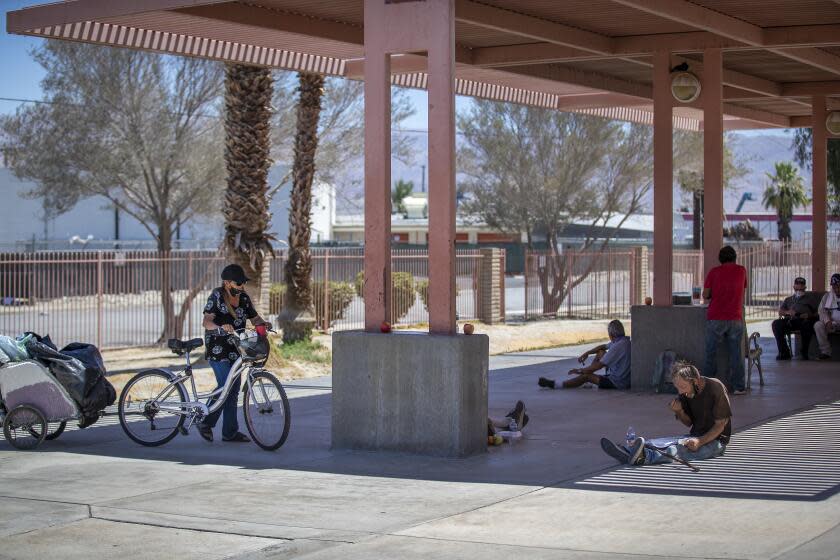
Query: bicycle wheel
[[140, 405], [267, 412], [51, 433], [24, 427]]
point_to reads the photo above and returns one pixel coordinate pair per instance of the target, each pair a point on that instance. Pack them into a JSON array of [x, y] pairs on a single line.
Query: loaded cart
[[40, 394]]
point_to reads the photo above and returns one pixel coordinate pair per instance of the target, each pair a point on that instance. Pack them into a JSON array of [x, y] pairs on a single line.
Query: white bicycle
[[155, 406]]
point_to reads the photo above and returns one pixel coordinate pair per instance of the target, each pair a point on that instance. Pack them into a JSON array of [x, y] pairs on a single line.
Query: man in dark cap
[[796, 313]]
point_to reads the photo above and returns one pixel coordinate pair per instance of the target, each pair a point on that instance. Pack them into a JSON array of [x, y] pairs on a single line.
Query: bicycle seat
[[181, 346]]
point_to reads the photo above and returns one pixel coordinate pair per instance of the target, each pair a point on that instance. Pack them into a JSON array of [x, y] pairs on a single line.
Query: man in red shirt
[[724, 288]]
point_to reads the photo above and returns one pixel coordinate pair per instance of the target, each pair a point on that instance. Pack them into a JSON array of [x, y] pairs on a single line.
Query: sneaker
[[824, 357], [545, 382], [637, 452], [517, 414], [614, 451], [238, 437], [739, 392], [205, 431], [524, 421]]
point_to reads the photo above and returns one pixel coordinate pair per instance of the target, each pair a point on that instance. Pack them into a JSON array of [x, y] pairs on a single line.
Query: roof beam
[[261, 18], [811, 88], [530, 53], [530, 27], [36, 17], [699, 18], [720, 24]]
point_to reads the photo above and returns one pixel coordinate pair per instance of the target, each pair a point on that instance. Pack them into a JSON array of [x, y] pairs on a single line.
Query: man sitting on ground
[[517, 414], [703, 406], [614, 357], [797, 313], [829, 317]]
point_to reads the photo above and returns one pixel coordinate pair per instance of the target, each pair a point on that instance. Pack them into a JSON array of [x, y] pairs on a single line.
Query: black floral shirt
[[223, 346]]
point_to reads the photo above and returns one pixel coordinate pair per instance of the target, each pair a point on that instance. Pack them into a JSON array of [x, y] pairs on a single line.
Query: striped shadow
[[791, 458]]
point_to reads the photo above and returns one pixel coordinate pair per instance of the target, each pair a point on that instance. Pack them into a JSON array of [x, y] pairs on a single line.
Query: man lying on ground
[[613, 357], [703, 406]]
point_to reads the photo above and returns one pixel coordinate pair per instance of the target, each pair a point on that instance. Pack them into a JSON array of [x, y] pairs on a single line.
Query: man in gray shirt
[[613, 357]]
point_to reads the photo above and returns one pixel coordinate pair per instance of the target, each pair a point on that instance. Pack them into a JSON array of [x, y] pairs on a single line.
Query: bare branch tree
[[136, 128], [536, 171]]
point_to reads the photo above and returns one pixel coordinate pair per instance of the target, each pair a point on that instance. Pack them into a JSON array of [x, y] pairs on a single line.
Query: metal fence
[[579, 284], [593, 285], [114, 298]]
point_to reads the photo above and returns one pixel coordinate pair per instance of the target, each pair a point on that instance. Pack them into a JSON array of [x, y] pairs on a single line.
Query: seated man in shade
[[829, 322], [797, 313], [613, 357], [703, 406]]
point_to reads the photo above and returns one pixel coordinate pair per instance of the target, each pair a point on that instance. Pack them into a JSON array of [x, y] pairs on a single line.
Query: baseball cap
[[799, 280], [234, 273], [835, 279]]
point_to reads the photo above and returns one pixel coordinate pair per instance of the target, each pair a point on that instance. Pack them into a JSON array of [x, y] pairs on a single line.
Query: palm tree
[[297, 318], [248, 91], [401, 190], [785, 192]]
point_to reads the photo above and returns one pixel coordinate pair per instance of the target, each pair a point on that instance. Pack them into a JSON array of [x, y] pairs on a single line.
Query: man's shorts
[[605, 383]]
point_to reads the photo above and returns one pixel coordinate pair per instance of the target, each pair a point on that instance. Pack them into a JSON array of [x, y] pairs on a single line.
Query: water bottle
[[513, 426], [631, 436]]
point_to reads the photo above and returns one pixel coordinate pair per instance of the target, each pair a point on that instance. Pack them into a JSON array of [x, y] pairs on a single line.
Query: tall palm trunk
[[248, 91], [297, 318]]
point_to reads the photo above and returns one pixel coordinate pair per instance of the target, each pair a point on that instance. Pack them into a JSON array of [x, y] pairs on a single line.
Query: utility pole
[[423, 179]]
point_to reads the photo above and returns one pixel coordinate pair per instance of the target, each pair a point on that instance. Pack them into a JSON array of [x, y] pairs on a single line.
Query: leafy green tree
[[785, 192], [401, 190], [802, 145], [688, 162]]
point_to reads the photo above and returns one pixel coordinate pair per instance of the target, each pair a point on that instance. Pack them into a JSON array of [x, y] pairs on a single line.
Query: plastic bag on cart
[[12, 350], [69, 371]]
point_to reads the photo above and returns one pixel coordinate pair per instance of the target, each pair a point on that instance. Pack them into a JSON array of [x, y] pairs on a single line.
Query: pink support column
[[441, 71], [712, 156], [377, 290], [819, 204], [663, 185]]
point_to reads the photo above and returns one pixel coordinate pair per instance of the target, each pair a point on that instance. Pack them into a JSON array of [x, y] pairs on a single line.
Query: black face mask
[[234, 292]]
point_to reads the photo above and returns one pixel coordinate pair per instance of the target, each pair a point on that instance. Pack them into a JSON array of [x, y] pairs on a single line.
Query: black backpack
[[662, 382]]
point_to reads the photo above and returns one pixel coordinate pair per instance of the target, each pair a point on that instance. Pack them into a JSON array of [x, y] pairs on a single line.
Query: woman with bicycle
[[228, 309]]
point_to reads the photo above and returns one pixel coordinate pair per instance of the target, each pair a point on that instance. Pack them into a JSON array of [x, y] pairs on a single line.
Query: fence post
[[489, 286], [188, 317], [502, 268], [640, 274], [527, 258], [326, 325], [99, 299]]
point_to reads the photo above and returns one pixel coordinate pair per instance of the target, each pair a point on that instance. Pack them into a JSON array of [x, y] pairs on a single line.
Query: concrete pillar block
[[410, 392], [681, 328]]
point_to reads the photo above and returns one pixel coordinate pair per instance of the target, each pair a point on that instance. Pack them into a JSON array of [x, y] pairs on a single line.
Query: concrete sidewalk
[[95, 494]]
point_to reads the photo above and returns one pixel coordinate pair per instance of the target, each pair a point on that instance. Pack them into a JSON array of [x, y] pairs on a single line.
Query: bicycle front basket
[[253, 347]]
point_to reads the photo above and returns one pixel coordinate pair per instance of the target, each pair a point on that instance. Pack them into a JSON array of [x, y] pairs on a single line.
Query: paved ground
[[94, 494]]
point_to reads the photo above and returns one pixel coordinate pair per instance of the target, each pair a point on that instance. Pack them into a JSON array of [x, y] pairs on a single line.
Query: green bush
[[422, 287], [341, 295], [402, 293]]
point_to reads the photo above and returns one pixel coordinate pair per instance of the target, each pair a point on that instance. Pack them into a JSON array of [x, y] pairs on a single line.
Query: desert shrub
[[402, 292], [422, 287], [341, 295]]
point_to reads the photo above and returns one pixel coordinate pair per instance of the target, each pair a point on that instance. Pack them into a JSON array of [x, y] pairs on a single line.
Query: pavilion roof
[[591, 56]]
